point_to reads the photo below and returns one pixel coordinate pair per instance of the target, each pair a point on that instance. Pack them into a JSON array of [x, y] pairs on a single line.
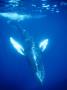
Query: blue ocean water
[[45, 19]]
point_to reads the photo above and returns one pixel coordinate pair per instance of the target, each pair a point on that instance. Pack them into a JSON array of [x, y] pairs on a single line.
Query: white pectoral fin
[[43, 44], [17, 46]]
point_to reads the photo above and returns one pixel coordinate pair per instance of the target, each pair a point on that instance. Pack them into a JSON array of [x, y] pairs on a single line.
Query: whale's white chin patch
[[43, 44], [40, 75]]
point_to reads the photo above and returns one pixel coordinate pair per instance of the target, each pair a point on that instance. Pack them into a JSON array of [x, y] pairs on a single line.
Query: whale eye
[[43, 44]]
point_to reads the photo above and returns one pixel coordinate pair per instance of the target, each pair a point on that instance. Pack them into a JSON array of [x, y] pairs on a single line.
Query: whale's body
[[34, 53], [31, 49], [13, 16]]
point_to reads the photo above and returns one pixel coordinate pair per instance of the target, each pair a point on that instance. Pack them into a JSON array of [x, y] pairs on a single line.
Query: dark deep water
[[15, 70]]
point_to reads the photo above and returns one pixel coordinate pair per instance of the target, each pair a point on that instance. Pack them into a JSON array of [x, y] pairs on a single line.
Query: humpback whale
[[14, 16], [19, 17], [33, 52]]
